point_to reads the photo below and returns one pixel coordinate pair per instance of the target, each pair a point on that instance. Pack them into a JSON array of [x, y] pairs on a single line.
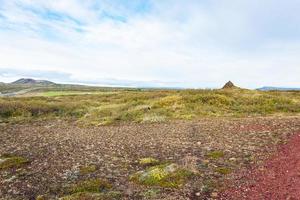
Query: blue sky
[[170, 43]]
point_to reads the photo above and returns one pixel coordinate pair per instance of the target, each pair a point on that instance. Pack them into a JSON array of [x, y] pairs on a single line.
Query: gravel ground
[[57, 149], [278, 178]]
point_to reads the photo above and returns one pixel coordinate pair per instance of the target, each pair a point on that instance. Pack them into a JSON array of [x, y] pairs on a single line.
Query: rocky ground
[[59, 155], [278, 178]]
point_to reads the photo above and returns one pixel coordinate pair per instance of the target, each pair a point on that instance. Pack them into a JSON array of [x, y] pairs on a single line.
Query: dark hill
[[29, 81], [269, 88]]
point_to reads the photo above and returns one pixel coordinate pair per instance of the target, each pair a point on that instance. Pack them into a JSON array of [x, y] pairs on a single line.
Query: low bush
[[150, 106]]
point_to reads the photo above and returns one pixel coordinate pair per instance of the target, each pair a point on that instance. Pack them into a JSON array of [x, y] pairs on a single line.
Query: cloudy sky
[[173, 43]]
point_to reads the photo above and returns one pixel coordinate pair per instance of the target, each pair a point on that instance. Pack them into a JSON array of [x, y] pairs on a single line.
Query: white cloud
[[185, 43]]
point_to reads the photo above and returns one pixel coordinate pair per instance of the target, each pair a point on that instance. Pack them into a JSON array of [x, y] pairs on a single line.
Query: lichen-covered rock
[[166, 175]]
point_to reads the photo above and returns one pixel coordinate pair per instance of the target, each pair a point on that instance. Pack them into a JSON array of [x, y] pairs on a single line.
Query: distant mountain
[[29, 81], [268, 88]]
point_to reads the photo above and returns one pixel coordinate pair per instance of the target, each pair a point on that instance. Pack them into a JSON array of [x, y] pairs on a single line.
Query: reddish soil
[[278, 178]]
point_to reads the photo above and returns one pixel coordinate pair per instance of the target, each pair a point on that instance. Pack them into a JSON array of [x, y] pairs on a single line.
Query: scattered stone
[[71, 174], [198, 194], [54, 154], [191, 163], [151, 193], [11, 179]]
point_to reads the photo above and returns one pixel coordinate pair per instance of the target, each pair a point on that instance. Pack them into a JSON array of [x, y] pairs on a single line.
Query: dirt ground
[[57, 149], [278, 178]]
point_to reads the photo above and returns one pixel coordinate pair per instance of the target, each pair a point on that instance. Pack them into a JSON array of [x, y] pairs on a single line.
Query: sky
[[152, 43]]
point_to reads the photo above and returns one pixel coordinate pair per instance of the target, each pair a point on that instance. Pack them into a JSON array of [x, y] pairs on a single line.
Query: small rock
[[198, 194], [171, 168], [214, 195], [206, 161], [232, 159]]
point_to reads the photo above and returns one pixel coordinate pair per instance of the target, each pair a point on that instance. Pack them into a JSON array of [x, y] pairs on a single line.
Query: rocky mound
[[229, 85]]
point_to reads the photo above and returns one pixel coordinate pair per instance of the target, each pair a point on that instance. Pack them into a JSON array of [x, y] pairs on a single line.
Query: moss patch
[[83, 170], [94, 186], [148, 161], [223, 170], [93, 196], [40, 197], [166, 175], [94, 189], [215, 154], [7, 162]]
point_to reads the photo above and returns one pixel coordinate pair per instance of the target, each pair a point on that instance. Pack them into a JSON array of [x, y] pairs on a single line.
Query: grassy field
[[114, 106], [61, 89], [67, 93]]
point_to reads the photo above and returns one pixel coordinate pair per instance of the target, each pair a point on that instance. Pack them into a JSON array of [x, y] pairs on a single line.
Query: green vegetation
[[93, 189], [7, 162], [68, 93], [223, 170], [93, 196], [40, 197], [44, 88], [215, 154], [148, 161], [93, 185], [166, 175], [61, 93], [83, 170], [8, 88], [104, 107]]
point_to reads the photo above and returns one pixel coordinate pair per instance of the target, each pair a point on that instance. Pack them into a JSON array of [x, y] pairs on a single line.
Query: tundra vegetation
[[142, 106]]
